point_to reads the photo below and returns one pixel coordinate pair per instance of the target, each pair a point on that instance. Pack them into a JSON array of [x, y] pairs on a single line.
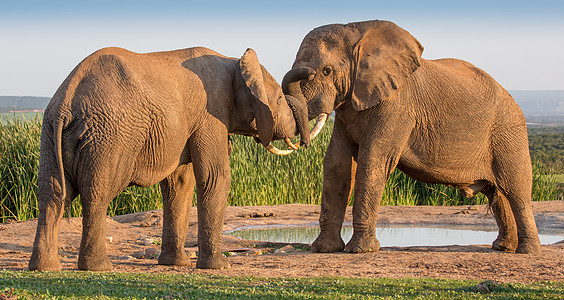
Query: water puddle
[[388, 236]]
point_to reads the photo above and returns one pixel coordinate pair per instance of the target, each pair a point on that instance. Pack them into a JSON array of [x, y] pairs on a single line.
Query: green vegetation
[[87, 285], [559, 178], [258, 177], [19, 160], [532, 130], [4, 117], [548, 148]]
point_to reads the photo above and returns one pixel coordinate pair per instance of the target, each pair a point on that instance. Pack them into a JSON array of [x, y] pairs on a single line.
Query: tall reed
[[19, 160], [258, 177]]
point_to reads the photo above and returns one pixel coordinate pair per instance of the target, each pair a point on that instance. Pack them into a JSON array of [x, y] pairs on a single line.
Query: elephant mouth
[[319, 123]]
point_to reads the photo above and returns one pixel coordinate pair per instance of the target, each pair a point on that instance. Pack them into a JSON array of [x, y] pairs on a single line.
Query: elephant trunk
[[291, 81], [296, 99], [299, 108]]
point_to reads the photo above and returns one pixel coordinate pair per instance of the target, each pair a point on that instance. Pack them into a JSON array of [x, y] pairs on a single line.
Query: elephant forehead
[[320, 54], [308, 52]]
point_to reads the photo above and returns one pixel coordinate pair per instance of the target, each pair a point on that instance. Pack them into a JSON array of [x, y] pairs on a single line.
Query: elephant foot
[[325, 244], [529, 246], [213, 261], [363, 243], [177, 258], [42, 264], [94, 263], [505, 244]]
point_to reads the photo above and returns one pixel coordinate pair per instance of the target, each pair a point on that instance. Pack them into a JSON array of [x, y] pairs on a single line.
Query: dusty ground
[[461, 262]]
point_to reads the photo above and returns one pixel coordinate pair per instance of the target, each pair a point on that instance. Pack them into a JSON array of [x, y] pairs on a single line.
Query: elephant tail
[[59, 156], [59, 110]]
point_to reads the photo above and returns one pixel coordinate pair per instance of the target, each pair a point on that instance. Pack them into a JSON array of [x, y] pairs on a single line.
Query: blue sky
[[520, 43]]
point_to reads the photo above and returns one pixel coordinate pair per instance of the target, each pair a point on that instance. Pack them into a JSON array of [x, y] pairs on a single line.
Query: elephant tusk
[[319, 123], [318, 126], [290, 144], [277, 151]]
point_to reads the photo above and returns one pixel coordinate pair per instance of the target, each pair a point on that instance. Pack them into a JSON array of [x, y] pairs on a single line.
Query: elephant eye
[[327, 71]]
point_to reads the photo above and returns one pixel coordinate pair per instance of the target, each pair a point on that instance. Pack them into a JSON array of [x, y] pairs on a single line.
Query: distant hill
[[540, 103], [22, 103]]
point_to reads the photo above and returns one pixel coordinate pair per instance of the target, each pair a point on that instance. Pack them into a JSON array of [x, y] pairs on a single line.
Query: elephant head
[[362, 63], [277, 116]]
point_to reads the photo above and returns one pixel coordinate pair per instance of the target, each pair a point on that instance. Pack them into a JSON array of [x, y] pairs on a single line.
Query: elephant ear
[[385, 56], [252, 73]]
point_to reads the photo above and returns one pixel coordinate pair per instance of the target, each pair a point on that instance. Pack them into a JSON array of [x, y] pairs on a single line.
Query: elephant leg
[[338, 177], [209, 152], [515, 184], [45, 254], [371, 176], [92, 255], [507, 237], [177, 190], [365, 212], [528, 238]]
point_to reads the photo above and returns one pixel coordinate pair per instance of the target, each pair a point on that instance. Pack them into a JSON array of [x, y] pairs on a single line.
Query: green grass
[[558, 178], [258, 177], [86, 285], [4, 117], [19, 160]]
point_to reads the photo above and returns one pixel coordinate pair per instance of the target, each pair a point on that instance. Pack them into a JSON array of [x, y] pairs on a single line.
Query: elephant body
[[439, 121], [450, 134], [123, 118]]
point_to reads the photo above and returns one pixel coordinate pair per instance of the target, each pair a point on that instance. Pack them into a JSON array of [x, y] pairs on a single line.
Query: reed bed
[[258, 177]]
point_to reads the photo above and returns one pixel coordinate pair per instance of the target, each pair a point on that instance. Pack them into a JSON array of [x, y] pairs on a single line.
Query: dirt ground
[[458, 262]]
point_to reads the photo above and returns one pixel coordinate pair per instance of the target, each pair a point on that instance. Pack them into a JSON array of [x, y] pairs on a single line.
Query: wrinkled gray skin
[[123, 118], [439, 121]]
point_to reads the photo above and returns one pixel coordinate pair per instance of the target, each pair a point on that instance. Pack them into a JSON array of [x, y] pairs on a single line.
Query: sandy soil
[[459, 262]]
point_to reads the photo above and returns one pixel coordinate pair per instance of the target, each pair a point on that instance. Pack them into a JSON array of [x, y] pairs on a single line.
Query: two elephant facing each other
[[439, 121], [137, 119], [122, 118]]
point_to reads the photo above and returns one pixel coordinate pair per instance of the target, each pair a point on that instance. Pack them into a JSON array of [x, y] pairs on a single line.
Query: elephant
[[440, 121], [122, 118]]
